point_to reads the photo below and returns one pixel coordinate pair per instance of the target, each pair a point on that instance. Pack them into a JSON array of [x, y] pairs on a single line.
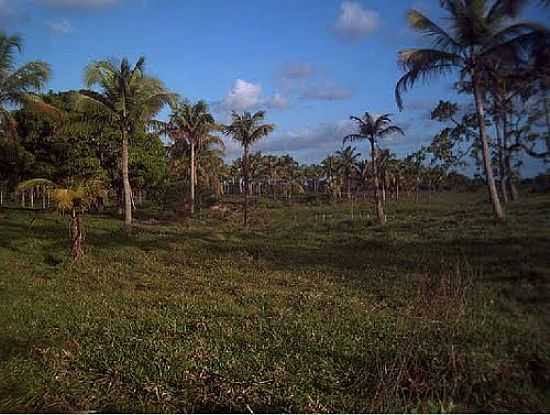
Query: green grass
[[307, 311]]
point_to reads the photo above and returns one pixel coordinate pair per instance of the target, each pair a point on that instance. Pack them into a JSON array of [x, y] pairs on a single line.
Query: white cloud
[[248, 96], [355, 21], [243, 96], [78, 4], [60, 26], [278, 101]]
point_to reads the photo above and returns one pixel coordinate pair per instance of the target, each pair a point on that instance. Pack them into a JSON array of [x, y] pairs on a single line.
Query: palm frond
[[423, 65], [505, 9], [37, 104], [392, 129], [441, 39], [353, 137]]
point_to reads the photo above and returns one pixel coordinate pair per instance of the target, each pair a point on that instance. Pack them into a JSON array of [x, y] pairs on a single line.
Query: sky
[[309, 63]]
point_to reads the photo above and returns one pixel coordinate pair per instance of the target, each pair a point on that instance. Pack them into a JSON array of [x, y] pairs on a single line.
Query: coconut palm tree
[[348, 166], [193, 124], [373, 128], [75, 198], [247, 129], [130, 99], [17, 84], [479, 33]]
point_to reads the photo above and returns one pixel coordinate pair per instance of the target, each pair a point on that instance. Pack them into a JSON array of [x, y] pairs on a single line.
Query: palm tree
[[193, 124], [479, 34], [17, 83], [373, 129], [247, 129], [75, 198], [130, 99], [348, 165]]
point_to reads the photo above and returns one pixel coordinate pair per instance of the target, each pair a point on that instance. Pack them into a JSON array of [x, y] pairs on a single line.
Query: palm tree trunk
[[76, 235], [377, 199], [493, 193], [246, 183], [508, 160], [546, 101], [501, 165], [397, 188], [126, 181], [417, 189], [192, 208], [383, 176]]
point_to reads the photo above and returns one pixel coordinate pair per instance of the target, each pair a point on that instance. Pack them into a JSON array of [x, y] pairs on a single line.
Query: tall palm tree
[[247, 129], [348, 165], [130, 98], [479, 33], [194, 124], [373, 129], [17, 83]]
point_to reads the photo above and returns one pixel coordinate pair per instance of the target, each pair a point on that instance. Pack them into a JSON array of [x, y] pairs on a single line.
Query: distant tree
[[247, 129], [194, 124], [347, 162], [373, 128], [414, 164]]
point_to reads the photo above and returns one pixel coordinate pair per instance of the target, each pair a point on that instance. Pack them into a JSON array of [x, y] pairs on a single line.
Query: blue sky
[[309, 63]]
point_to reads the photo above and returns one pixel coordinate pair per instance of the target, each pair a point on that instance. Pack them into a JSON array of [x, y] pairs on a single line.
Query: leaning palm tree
[[247, 129], [194, 124], [373, 129], [130, 99], [479, 33], [17, 84]]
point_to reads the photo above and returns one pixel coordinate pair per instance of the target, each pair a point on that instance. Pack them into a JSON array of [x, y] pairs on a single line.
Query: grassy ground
[[307, 311]]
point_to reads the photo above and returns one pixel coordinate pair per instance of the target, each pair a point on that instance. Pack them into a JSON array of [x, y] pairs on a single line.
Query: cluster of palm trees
[[497, 58], [123, 95], [502, 62]]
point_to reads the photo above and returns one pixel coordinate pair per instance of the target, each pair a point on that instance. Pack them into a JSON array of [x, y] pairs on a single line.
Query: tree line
[[77, 147]]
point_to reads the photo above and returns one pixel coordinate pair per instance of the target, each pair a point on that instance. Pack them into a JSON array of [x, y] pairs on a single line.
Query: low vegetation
[[310, 309]]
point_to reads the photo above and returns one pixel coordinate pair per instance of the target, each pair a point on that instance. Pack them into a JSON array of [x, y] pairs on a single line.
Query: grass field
[[307, 311]]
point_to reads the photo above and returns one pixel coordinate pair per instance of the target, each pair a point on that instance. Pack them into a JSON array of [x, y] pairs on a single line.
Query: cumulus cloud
[[60, 26], [355, 21], [243, 96], [248, 96], [78, 4]]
